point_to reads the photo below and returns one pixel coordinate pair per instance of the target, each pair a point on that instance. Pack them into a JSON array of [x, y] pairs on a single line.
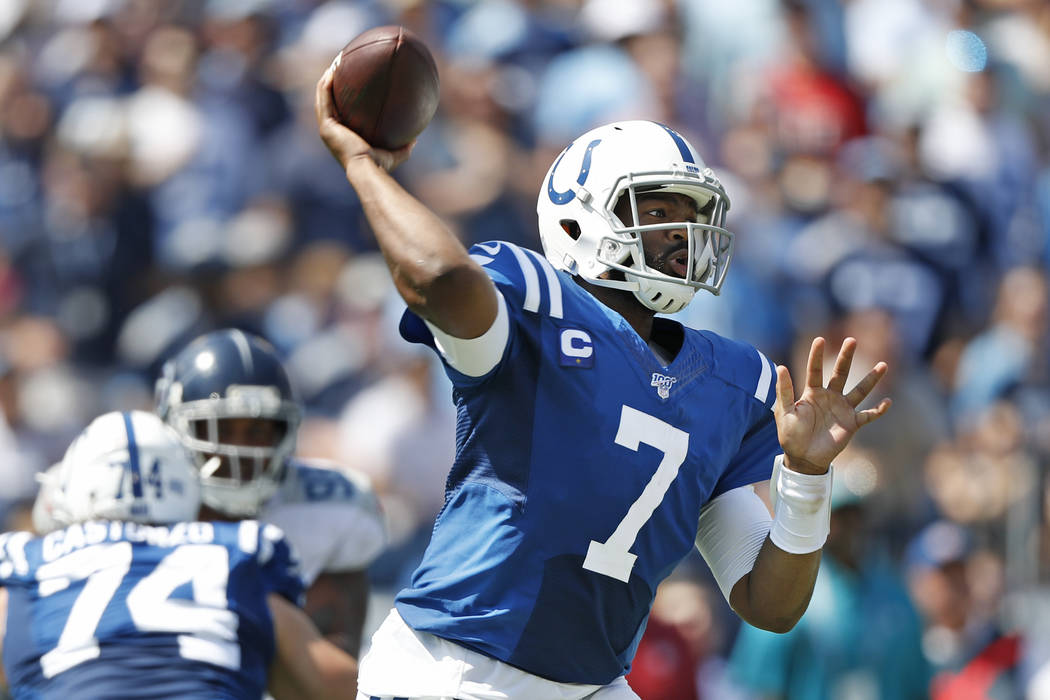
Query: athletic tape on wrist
[[801, 510]]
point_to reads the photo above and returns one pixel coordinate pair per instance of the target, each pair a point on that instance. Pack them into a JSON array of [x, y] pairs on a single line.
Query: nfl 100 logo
[[663, 384]]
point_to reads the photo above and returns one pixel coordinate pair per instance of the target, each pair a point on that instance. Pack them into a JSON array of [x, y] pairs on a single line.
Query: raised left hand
[[817, 426]]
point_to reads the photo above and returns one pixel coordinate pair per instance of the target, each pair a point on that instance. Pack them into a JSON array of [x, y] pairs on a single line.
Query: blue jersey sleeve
[[743, 366], [753, 462], [530, 286], [524, 277]]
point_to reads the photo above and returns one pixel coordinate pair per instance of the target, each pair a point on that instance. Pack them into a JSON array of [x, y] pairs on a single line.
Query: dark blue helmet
[[202, 391]]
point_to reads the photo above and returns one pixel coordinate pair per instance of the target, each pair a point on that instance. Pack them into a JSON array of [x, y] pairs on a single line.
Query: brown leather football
[[386, 86]]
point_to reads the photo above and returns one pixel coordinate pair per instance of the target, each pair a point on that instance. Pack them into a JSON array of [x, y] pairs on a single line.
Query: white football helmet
[[125, 466], [46, 509], [582, 235]]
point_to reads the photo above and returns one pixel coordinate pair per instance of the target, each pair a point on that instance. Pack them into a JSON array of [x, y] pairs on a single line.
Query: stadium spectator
[[663, 667], [918, 424], [88, 609], [1010, 351], [861, 635], [683, 655], [970, 652]]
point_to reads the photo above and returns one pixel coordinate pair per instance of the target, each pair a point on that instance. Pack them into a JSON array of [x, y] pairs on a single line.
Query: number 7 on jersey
[[613, 557]]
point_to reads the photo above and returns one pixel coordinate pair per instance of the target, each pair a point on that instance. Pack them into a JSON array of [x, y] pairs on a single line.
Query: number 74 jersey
[[582, 463], [109, 609]]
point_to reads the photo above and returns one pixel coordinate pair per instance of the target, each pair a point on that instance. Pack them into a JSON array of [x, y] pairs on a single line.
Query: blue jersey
[[581, 467], [109, 609]]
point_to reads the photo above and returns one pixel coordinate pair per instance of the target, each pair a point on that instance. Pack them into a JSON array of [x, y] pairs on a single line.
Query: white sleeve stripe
[[532, 280], [248, 536], [553, 283], [764, 379], [480, 259]]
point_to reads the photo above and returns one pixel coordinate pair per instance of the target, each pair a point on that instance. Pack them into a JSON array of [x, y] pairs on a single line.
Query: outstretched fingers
[[785, 391], [864, 386], [869, 414], [815, 366], [842, 365]]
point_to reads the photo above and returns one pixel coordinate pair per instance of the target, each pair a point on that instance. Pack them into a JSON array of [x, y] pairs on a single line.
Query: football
[[385, 86]]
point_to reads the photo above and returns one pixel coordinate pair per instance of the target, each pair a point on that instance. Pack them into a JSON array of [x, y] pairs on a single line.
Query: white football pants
[[403, 664]]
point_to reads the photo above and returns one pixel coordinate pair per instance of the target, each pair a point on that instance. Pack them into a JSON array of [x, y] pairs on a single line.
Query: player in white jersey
[[595, 442], [230, 399], [134, 599]]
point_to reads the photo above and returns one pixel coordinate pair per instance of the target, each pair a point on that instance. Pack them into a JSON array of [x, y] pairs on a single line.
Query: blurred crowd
[[888, 163]]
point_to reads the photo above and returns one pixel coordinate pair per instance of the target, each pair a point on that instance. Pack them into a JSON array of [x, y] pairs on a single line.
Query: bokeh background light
[[966, 51]]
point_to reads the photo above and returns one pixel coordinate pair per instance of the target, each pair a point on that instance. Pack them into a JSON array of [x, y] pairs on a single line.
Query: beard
[[661, 261]]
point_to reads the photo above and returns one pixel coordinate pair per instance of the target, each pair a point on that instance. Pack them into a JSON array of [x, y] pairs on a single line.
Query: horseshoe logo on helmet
[[585, 170]]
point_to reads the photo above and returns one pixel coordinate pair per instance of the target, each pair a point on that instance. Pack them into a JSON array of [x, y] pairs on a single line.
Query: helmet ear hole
[[571, 227]]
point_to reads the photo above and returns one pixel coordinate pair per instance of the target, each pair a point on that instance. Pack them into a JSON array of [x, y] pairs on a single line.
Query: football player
[[229, 398], [596, 443], [134, 599]]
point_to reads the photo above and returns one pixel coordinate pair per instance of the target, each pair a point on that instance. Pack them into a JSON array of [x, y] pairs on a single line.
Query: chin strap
[[663, 297]]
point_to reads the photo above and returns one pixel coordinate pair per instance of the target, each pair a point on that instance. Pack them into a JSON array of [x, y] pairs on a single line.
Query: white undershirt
[[475, 357], [730, 533]]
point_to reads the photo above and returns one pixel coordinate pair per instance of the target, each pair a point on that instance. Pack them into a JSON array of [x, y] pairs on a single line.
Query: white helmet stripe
[[244, 349]]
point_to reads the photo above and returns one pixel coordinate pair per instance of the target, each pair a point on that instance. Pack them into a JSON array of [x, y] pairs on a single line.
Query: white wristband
[[801, 510]]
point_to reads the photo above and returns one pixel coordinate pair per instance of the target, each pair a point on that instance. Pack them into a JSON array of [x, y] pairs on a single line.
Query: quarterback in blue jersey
[[596, 443], [134, 599]]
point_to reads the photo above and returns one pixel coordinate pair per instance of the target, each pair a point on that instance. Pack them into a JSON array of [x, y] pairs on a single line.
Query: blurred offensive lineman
[[134, 600], [595, 443], [229, 398]]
